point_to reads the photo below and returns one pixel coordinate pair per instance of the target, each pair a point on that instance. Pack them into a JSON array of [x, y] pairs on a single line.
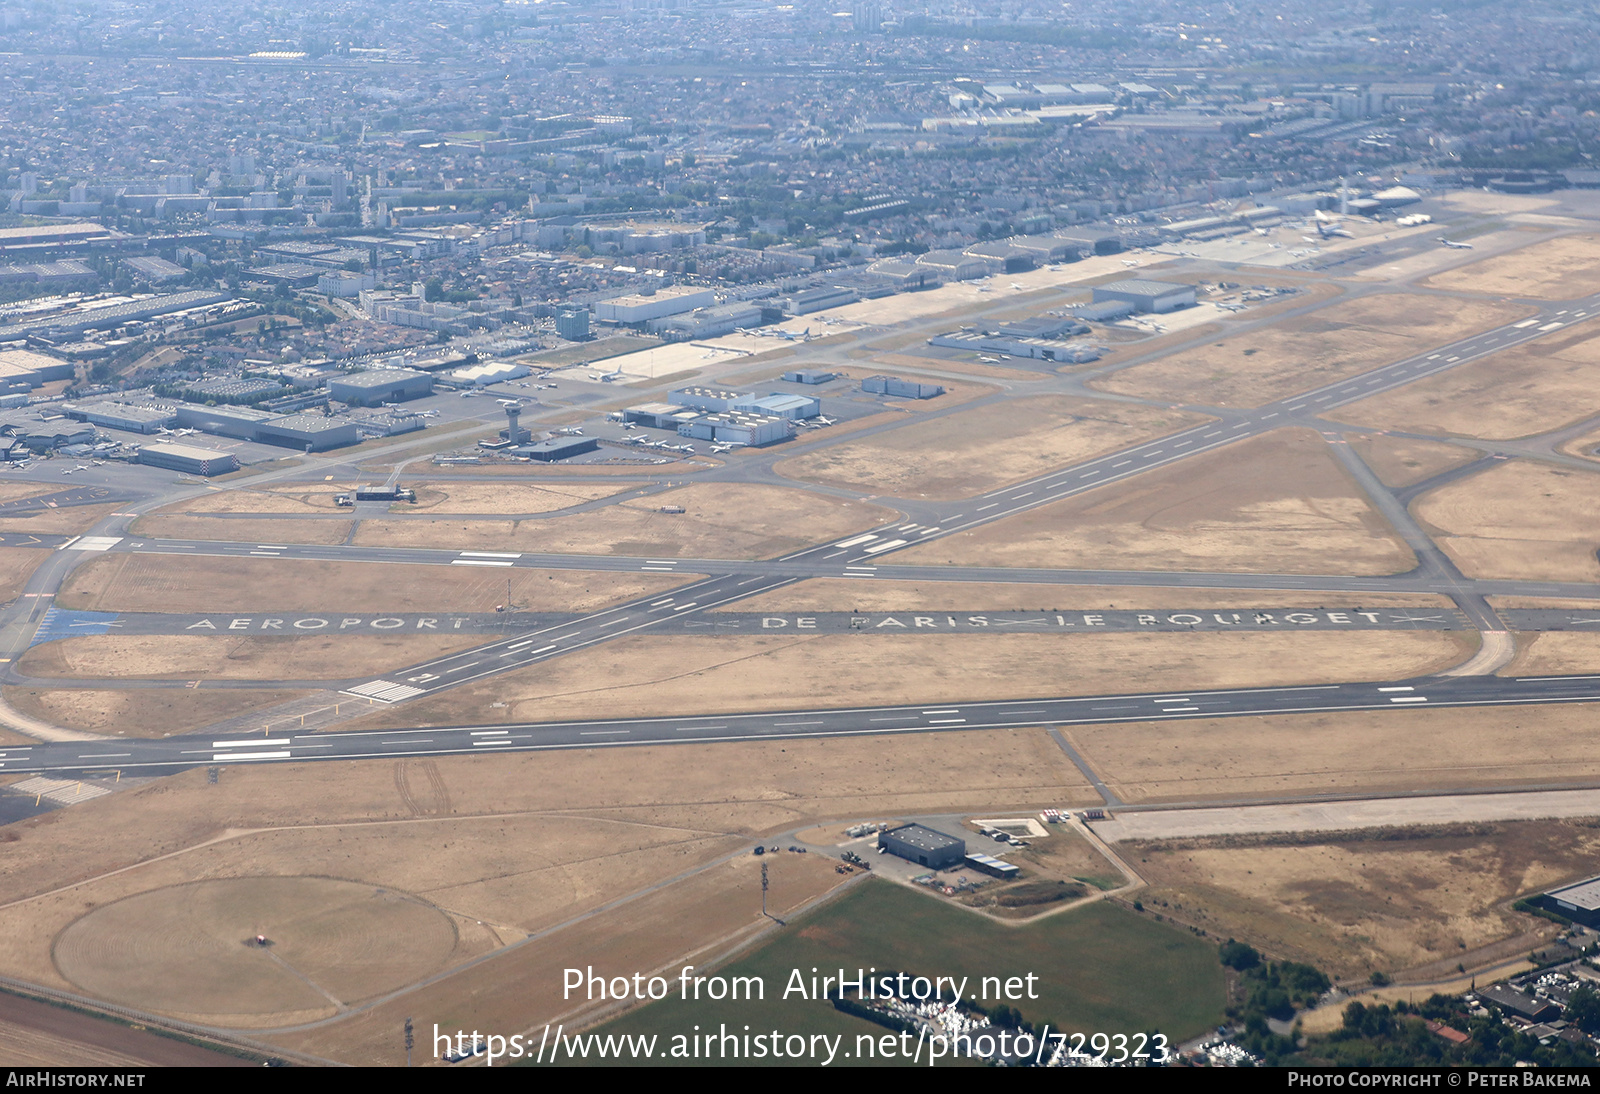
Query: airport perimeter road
[[122, 754]]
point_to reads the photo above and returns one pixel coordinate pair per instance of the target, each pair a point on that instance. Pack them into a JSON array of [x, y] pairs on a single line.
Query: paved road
[[135, 755]]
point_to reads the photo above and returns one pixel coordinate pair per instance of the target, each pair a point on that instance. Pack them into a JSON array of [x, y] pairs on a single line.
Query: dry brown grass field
[[16, 566], [240, 657], [1403, 461], [1519, 521], [144, 712], [1393, 901], [150, 894], [1278, 503], [1564, 268], [168, 583], [1344, 339], [243, 529], [69, 520], [1555, 653], [1529, 389], [1349, 753], [975, 450], [720, 521], [478, 497], [646, 676]]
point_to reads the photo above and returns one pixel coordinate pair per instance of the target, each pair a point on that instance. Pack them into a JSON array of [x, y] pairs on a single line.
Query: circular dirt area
[[192, 948]]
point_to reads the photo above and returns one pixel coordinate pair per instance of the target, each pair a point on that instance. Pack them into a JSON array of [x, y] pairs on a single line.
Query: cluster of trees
[[1398, 1036]]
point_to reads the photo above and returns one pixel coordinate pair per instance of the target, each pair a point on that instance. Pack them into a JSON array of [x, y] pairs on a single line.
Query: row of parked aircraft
[[646, 442]]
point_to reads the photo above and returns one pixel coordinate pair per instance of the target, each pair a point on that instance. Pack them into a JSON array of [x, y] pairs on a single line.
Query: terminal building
[[1146, 296], [924, 846]]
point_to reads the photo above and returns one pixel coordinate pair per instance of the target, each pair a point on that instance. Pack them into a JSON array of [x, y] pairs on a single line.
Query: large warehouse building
[[308, 432], [1147, 296], [188, 459], [379, 386], [659, 305]]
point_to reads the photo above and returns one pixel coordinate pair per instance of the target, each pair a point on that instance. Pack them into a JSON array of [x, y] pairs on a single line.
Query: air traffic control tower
[[513, 432]]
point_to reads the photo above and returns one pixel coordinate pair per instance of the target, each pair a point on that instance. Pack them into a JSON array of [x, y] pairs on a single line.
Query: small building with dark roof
[[924, 846], [557, 448]]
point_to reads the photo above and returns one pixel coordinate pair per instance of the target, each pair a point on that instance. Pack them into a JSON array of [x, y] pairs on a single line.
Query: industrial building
[[1040, 326], [388, 425], [1147, 296], [655, 415], [1579, 903], [484, 375], [811, 300], [188, 459], [24, 366], [287, 430], [992, 866], [129, 417], [378, 386], [906, 389], [715, 399], [737, 427], [1037, 348], [809, 376], [706, 322], [924, 846], [226, 421], [628, 310], [793, 407], [244, 390], [308, 432], [1106, 312]]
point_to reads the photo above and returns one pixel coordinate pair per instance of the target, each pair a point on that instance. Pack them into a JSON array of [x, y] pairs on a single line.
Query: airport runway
[[860, 557], [147, 756], [59, 624]]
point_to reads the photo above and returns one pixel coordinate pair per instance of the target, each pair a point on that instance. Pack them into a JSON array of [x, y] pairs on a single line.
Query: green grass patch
[[1099, 969]]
